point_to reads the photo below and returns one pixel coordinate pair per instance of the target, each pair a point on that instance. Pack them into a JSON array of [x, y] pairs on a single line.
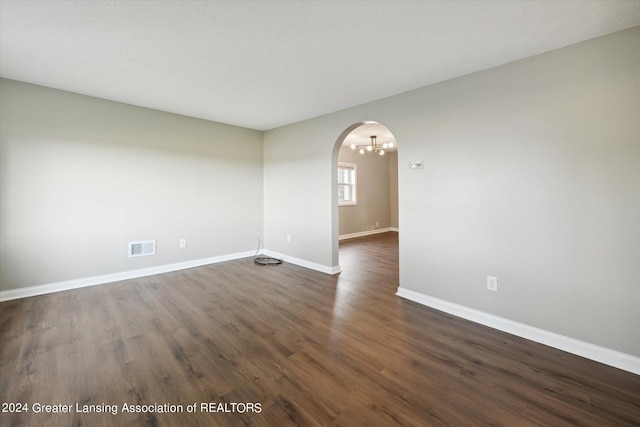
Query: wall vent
[[143, 248]]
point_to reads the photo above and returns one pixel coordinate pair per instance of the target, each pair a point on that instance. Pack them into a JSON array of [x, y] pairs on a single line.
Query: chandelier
[[373, 147]]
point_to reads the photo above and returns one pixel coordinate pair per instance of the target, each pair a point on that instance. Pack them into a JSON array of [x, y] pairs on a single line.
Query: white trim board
[[304, 263], [115, 277], [66, 285], [366, 233], [604, 355]]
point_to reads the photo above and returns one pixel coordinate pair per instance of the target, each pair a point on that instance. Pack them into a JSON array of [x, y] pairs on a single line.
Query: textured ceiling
[[264, 64]]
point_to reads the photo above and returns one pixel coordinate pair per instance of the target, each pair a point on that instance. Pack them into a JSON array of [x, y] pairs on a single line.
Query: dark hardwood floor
[[303, 347]]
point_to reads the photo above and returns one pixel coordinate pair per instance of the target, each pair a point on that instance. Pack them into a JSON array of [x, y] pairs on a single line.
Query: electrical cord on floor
[[265, 260]]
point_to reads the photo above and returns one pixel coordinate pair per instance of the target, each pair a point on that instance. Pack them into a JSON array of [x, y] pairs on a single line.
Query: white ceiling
[[264, 64]]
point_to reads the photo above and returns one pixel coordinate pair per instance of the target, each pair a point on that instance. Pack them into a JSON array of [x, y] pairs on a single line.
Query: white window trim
[[355, 184]]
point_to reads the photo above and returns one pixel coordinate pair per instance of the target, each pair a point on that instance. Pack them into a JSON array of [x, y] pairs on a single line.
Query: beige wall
[[393, 190], [374, 191], [80, 177], [531, 174]]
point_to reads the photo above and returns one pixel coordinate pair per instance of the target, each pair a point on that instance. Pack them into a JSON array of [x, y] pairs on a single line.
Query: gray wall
[[532, 174], [374, 191], [80, 177]]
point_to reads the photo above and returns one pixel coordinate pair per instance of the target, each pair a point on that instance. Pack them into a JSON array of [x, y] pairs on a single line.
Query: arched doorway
[[365, 183]]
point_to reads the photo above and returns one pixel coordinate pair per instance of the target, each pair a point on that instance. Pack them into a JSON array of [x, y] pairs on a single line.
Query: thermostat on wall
[[416, 165]]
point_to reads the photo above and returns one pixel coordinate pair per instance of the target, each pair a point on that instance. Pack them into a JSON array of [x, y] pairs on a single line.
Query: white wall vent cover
[[144, 248]]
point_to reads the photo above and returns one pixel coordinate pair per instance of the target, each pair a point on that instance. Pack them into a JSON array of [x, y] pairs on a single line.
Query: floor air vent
[[145, 248]]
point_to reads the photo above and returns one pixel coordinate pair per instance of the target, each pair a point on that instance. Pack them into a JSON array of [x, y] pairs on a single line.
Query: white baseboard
[[66, 285], [366, 233], [304, 263], [604, 355], [114, 277]]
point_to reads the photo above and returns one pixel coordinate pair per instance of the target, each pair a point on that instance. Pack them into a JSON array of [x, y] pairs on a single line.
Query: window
[[346, 184]]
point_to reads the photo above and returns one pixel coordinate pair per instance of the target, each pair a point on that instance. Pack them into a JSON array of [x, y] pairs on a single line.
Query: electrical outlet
[[377, 224], [492, 283], [288, 238], [183, 243]]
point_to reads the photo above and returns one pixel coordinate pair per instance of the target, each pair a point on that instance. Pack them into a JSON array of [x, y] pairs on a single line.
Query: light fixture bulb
[[362, 151], [353, 146], [381, 152], [385, 145], [369, 148], [390, 145]]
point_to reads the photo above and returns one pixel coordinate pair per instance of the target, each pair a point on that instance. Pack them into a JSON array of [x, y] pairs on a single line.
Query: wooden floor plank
[[306, 348]]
